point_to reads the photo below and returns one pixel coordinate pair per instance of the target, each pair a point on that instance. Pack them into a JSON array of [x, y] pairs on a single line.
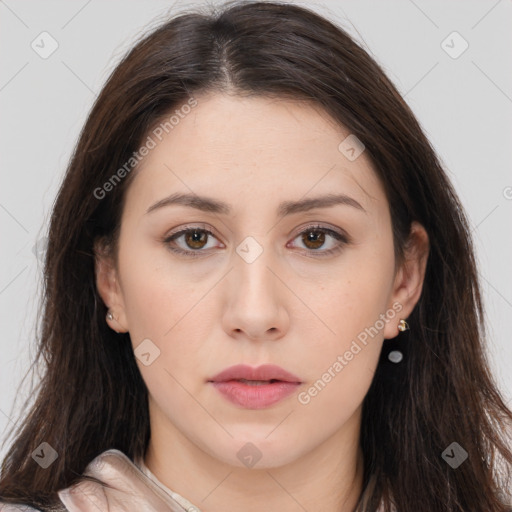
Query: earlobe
[[112, 321], [108, 287], [410, 276]]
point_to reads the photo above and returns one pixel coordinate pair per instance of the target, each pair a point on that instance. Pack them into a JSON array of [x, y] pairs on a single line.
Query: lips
[[255, 388], [266, 373]]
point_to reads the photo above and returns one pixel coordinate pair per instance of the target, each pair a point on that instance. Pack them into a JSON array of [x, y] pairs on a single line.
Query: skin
[[290, 307]]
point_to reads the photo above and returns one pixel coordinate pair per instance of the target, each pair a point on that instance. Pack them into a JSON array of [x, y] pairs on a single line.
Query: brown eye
[[321, 241], [191, 242], [316, 240], [313, 239], [196, 239]]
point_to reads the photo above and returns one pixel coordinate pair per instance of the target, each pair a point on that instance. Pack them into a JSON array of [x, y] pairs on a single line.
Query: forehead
[[253, 148]]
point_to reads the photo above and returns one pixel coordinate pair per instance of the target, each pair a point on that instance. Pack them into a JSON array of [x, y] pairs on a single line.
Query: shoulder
[[119, 484]]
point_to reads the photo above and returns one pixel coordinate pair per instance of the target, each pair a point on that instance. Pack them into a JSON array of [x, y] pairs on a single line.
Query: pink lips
[[255, 395]]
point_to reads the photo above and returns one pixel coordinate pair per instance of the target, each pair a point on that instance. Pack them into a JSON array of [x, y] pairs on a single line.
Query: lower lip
[[255, 397]]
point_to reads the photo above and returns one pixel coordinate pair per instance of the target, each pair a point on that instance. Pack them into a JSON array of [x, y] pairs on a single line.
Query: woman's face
[[269, 277]]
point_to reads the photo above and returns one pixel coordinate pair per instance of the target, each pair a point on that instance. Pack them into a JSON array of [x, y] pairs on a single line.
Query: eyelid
[[168, 237], [325, 227], [196, 226], [339, 234]]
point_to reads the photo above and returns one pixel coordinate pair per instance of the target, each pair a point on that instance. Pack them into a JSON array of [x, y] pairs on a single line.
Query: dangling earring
[[396, 356]]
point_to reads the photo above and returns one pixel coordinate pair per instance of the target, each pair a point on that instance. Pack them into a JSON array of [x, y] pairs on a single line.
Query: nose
[[256, 305]]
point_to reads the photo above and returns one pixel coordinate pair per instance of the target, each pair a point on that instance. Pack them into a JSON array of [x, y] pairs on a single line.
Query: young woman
[[260, 292]]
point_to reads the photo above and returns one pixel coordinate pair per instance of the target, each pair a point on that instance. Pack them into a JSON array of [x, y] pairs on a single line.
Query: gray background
[[464, 105]]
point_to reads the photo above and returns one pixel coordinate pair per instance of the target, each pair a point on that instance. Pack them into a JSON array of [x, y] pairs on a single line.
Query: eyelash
[[342, 238]]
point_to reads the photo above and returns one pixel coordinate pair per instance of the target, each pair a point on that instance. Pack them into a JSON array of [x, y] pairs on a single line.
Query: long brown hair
[[92, 396]]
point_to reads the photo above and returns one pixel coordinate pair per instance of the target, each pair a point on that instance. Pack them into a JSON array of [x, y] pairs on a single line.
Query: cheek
[[353, 295], [158, 295], [337, 393], [172, 309], [355, 308], [340, 368]]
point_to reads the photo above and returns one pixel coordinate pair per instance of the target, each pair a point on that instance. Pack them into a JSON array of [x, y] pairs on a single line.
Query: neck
[[328, 478]]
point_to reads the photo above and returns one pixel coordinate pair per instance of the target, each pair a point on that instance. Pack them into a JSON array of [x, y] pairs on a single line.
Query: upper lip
[[263, 372]]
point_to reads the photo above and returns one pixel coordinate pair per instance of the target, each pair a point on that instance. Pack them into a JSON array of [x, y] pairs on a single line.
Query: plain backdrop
[[458, 85]]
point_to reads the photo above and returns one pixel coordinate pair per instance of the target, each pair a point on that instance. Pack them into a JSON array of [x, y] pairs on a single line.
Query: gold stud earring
[[403, 326]]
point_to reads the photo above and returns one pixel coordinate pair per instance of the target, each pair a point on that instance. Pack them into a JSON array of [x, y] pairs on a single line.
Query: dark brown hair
[[92, 396]]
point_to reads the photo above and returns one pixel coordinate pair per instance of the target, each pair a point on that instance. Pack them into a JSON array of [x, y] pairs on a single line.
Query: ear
[[107, 283], [409, 278]]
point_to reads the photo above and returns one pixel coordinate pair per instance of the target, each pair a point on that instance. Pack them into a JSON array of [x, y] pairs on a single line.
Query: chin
[[258, 451]]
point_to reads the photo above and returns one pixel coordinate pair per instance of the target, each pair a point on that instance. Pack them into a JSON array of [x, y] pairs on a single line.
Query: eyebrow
[[210, 205]]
